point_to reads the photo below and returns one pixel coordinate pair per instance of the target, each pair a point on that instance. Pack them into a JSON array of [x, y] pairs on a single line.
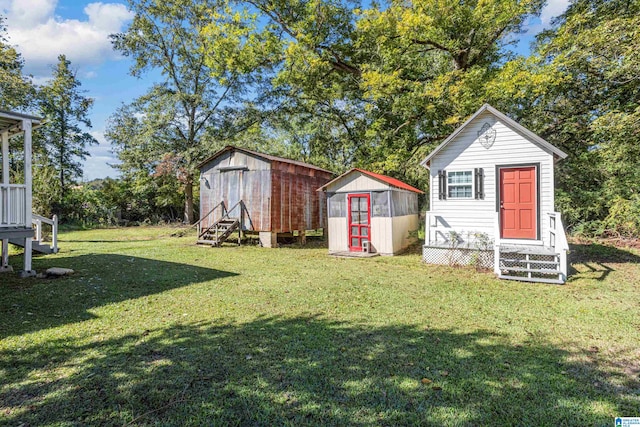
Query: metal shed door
[[231, 183], [359, 220]]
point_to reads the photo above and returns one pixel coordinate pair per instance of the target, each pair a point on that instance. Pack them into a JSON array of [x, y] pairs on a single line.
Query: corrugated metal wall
[[249, 182], [296, 205], [280, 197]]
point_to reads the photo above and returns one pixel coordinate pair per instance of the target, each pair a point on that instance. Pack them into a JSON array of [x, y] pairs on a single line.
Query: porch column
[[26, 127], [4, 264], [4, 195], [5, 157]]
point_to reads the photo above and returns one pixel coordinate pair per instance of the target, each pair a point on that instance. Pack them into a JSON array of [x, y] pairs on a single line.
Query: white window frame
[[470, 184]]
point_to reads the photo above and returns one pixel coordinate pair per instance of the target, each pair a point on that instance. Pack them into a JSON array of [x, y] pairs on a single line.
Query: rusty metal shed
[[259, 193]]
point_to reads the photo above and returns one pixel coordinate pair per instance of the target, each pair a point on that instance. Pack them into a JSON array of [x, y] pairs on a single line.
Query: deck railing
[[558, 240], [38, 220], [432, 234], [13, 205]]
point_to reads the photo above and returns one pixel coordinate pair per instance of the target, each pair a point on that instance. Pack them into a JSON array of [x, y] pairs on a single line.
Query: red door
[[359, 220], [518, 204]]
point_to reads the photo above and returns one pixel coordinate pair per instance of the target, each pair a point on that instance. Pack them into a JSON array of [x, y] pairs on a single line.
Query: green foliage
[[624, 217], [208, 55], [16, 89], [66, 112], [581, 91], [380, 87], [87, 207]]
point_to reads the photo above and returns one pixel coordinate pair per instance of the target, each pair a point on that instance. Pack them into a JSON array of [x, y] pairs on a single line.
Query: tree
[[16, 89], [201, 50], [385, 84], [66, 113], [581, 91]]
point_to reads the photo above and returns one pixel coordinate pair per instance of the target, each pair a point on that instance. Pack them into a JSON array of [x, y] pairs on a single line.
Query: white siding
[[388, 235], [355, 182], [338, 235], [402, 227], [381, 235], [465, 152]]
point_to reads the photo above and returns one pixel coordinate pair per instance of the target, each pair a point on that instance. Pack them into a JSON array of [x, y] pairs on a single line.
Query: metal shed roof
[[12, 121], [268, 157], [383, 178], [547, 146]]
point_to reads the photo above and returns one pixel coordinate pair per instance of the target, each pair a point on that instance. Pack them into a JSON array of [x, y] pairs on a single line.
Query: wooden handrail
[[197, 224], [38, 220], [226, 212]]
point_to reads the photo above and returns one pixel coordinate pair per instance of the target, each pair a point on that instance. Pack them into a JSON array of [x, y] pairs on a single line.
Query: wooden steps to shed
[[219, 232]]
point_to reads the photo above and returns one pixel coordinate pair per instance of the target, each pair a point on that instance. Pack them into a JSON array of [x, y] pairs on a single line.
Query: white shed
[[369, 212], [491, 200]]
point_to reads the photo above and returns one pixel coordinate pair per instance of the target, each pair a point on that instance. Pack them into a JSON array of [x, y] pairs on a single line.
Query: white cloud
[[41, 35], [99, 136], [552, 9], [101, 157]]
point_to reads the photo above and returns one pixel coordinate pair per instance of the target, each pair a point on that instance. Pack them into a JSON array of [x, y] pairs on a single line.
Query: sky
[[43, 29]]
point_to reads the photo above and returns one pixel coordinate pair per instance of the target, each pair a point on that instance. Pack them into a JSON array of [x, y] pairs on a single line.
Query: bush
[[624, 217]]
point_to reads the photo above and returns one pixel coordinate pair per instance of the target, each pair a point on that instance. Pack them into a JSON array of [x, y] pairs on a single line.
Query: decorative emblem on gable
[[487, 135]]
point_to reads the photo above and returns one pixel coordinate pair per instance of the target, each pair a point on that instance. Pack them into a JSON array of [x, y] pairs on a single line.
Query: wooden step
[[529, 261], [530, 270], [206, 242], [531, 279], [36, 246]]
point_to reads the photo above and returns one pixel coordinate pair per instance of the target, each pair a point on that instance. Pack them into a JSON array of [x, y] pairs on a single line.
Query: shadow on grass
[[307, 371], [594, 260], [99, 279]]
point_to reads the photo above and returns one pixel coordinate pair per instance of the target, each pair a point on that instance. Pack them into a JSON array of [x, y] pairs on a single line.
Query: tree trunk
[[188, 201]]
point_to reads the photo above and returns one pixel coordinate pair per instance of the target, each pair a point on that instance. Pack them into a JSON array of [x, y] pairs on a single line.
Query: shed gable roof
[[264, 156], [393, 182], [517, 127]]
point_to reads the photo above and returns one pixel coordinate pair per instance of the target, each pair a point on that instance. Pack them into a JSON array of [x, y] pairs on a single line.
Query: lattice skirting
[[457, 256]]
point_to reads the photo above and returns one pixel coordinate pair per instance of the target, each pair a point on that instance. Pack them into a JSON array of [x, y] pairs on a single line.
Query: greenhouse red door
[[518, 204], [359, 221]]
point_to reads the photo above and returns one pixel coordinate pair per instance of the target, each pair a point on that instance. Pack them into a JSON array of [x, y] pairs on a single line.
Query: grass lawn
[[153, 330]]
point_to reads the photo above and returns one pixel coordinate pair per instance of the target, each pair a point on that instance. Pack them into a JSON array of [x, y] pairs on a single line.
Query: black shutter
[[479, 183], [442, 185]]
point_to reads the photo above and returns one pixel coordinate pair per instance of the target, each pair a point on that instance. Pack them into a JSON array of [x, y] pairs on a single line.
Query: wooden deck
[[16, 232]]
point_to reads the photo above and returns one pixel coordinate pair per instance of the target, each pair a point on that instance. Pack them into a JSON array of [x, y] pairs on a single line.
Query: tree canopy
[[66, 110]]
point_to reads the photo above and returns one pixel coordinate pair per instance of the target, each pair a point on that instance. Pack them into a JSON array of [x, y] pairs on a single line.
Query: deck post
[[496, 244], [4, 266], [26, 128], [427, 228]]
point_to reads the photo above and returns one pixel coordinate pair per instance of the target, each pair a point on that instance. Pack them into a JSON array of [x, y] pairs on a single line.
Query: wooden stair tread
[[531, 279], [529, 261], [530, 270]]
